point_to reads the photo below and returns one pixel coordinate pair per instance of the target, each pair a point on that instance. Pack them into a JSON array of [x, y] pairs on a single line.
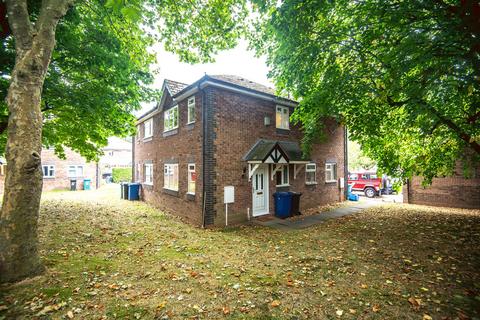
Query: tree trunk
[[23, 182]]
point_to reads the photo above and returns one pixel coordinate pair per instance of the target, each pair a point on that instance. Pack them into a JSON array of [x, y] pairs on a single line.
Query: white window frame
[[284, 183], [279, 121], [148, 173], [309, 168], [332, 168], [169, 170], [169, 116], [148, 124], [76, 167], [191, 169], [50, 169], [191, 110]]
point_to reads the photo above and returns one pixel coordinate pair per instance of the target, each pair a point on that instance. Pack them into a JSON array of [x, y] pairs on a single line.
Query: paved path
[[316, 219]]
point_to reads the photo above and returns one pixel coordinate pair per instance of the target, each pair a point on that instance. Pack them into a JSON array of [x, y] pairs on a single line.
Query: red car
[[366, 182]]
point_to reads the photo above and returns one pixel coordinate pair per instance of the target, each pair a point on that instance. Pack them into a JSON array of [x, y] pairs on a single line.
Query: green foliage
[[101, 67], [121, 175], [357, 159], [402, 76]]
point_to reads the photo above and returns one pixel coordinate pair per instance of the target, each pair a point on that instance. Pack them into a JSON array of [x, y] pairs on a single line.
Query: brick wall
[[182, 147], [61, 179], [239, 123], [455, 191]]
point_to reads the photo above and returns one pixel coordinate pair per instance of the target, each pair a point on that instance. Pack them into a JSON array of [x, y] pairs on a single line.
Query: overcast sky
[[238, 61]]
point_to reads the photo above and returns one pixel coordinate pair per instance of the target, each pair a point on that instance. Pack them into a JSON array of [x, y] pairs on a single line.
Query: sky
[[238, 61]]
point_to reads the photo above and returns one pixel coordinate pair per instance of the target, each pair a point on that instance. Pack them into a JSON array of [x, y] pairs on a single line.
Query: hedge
[[121, 175]]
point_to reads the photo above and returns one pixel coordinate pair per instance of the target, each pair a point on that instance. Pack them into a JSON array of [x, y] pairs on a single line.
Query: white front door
[[260, 191]]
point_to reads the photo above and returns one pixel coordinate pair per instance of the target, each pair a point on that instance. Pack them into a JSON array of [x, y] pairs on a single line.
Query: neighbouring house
[[57, 172], [117, 154], [454, 191], [226, 131]]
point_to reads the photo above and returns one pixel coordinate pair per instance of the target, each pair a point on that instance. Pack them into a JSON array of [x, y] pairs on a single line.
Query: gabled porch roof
[[274, 151]]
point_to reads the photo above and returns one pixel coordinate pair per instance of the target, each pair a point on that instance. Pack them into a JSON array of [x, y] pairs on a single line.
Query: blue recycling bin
[[134, 191], [87, 184], [352, 196], [283, 204]]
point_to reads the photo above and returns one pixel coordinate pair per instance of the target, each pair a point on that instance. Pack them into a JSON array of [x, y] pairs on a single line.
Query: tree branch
[[20, 24], [473, 118], [453, 126]]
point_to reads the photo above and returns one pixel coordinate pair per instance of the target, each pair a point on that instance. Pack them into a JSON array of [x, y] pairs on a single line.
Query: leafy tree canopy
[[100, 68], [403, 76], [357, 160]]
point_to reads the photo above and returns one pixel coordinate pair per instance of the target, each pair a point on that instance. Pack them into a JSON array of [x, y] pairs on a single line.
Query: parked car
[[366, 182]]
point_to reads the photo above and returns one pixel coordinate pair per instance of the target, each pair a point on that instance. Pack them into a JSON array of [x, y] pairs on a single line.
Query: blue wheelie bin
[[283, 204], [87, 184], [134, 191], [352, 196]]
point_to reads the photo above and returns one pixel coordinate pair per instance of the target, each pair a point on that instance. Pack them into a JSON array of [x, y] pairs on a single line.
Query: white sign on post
[[229, 194], [228, 197]]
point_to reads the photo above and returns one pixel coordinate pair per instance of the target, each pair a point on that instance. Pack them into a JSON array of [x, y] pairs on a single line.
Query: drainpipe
[[134, 178], [345, 159], [204, 130]]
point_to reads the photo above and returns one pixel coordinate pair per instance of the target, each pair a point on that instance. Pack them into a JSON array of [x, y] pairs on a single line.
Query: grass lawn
[[108, 258]]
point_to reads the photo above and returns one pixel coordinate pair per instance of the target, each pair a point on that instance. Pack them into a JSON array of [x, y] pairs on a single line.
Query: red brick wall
[[183, 147], [239, 124], [61, 179], [455, 191]]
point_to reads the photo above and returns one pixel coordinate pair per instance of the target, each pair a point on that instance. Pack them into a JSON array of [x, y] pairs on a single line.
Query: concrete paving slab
[[315, 219]]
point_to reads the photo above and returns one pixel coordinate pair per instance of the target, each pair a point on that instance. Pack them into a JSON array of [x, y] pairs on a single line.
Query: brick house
[[57, 172], [225, 131]]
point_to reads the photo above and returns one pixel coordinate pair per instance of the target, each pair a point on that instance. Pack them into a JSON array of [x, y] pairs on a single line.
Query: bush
[[121, 175]]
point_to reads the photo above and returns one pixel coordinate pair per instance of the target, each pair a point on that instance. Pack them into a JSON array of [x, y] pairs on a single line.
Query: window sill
[[49, 178], [283, 131], [190, 196], [311, 183], [170, 132], [170, 192], [148, 184], [146, 139], [282, 185], [330, 181]]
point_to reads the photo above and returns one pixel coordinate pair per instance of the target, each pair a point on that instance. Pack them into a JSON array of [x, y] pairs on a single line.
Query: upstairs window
[[330, 172], [192, 178], [191, 110], [281, 176], [148, 173], [282, 118], [75, 171], [170, 120], [170, 176], [311, 173], [148, 128], [48, 171]]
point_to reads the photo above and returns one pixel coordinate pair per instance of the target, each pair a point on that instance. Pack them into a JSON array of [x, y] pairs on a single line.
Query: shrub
[[121, 175]]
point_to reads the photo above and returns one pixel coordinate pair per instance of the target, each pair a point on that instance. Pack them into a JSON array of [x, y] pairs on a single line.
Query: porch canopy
[[275, 152]]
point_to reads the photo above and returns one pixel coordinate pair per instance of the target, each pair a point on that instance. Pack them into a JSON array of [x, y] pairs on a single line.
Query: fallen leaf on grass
[[376, 308], [225, 310], [352, 311], [426, 317], [339, 313], [275, 303], [3, 308], [415, 303], [70, 314]]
